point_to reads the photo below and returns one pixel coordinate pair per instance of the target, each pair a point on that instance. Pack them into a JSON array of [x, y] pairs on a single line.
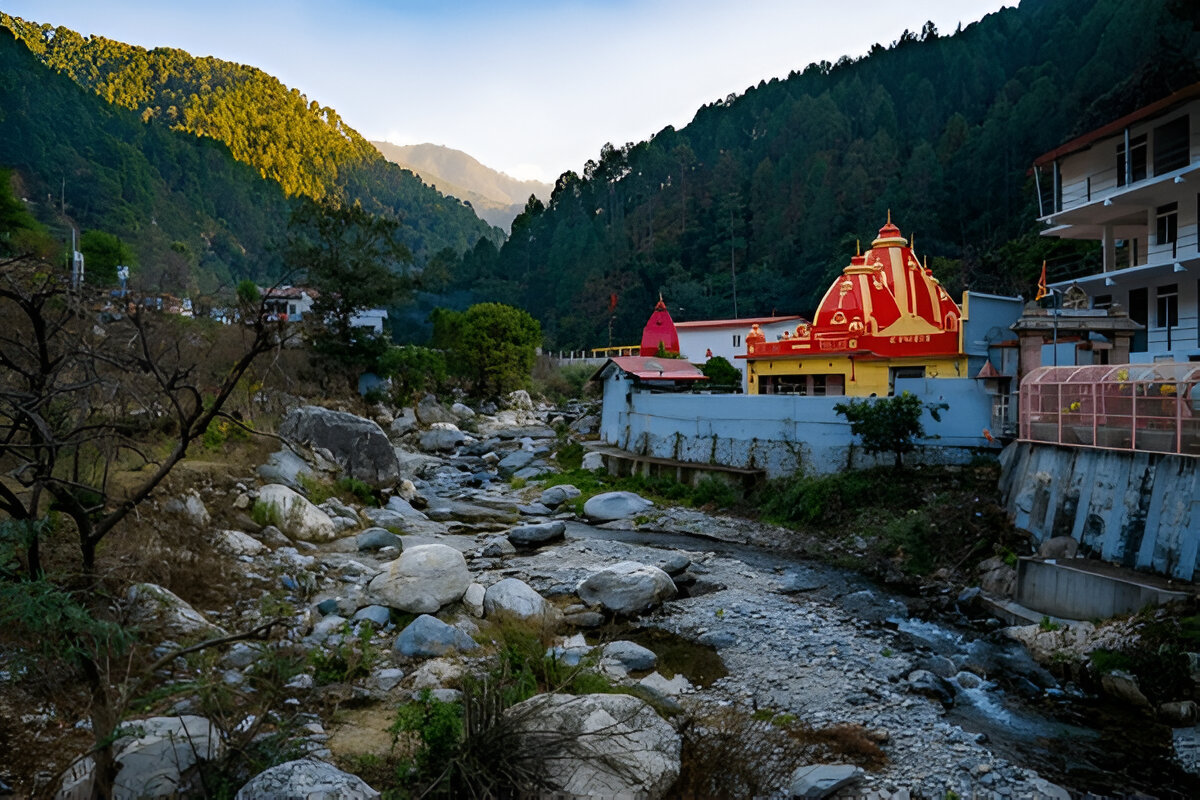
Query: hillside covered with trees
[[154, 141], [773, 186]]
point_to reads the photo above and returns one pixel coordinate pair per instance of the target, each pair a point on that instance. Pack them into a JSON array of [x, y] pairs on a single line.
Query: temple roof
[[660, 329], [884, 303]]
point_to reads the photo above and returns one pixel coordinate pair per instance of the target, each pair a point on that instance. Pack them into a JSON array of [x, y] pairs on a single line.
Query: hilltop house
[[1134, 185]]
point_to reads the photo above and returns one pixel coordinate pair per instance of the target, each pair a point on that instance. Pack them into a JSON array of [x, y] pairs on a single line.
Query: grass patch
[[709, 492], [345, 488], [348, 660]]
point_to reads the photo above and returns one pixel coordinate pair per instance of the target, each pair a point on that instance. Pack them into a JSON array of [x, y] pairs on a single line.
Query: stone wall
[[782, 434], [1141, 510]]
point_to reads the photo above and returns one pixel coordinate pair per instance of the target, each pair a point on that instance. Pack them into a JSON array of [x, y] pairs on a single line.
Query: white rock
[[306, 779], [238, 543], [473, 599], [295, 516], [422, 580], [514, 599]]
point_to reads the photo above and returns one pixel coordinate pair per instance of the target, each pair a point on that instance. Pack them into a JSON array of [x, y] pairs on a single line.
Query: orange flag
[[1042, 290]]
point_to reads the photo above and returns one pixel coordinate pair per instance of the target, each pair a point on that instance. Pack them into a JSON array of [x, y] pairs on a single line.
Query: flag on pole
[[612, 302], [1042, 290]]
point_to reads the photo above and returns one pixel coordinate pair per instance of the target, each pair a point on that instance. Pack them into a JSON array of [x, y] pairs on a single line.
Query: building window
[[903, 372], [1171, 145], [737, 340], [1102, 301], [1137, 161], [292, 309], [1167, 225], [1167, 315]]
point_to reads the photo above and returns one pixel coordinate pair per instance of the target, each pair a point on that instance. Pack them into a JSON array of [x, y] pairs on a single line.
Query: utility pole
[[733, 262]]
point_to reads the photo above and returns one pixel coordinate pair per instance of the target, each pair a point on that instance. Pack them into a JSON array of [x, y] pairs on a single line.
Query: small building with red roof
[[660, 337]]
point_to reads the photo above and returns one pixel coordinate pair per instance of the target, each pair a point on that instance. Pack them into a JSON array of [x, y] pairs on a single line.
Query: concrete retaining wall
[[782, 434], [1063, 591], [1141, 510]]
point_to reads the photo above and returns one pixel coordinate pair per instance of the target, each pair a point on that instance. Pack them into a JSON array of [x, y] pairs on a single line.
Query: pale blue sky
[[531, 88]]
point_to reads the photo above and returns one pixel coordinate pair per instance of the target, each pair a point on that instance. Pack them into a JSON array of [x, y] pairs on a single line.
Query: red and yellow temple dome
[[884, 303], [660, 330]]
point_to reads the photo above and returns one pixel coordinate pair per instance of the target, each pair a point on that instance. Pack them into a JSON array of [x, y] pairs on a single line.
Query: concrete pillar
[[1120, 349], [1030, 357], [1110, 249]]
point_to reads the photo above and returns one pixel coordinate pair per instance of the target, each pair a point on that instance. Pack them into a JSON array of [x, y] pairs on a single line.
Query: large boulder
[[512, 598], [529, 536], [442, 437], [615, 505], [157, 757], [516, 460], [295, 516], [597, 745], [627, 588], [422, 580], [555, 496], [284, 466], [149, 605], [429, 411], [822, 780], [306, 779], [427, 637], [358, 445]]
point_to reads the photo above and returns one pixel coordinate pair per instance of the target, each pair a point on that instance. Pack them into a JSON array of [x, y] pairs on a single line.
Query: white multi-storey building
[[1134, 186]]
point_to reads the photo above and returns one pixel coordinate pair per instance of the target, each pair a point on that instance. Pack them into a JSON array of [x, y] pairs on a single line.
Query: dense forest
[[772, 187], [150, 145]]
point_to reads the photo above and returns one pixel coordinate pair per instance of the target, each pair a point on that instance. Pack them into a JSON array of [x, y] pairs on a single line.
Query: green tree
[[413, 370], [355, 261], [885, 424], [721, 373], [103, 253], [491, 346]]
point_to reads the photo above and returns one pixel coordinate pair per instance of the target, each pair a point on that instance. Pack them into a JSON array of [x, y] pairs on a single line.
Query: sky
[[532, 88]]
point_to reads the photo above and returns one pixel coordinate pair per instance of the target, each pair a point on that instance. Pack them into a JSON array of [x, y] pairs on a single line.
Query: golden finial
[[858, 247], [889, 222], [912, 242], [926, 262]]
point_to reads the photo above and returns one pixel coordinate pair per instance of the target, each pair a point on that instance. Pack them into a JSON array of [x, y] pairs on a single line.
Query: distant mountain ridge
[[496, 197]]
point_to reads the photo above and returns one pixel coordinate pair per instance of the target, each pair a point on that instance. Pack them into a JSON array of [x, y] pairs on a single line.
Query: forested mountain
[[298, 145], [197, 217], [777, 183], [496, 197]]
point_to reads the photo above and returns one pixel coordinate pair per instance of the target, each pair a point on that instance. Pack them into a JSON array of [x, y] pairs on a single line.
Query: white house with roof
[[700, 340], [1134, 186]]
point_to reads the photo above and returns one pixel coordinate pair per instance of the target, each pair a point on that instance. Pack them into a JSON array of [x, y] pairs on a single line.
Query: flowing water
[[1080, 741]]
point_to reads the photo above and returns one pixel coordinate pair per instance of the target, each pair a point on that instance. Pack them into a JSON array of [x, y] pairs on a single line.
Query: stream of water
[[1082, 742]]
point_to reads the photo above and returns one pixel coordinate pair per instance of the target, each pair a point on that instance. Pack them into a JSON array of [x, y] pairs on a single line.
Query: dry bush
[[729, 752]]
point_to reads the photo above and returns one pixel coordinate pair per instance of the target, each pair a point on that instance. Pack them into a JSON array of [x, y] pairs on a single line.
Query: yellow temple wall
[[871, 376]]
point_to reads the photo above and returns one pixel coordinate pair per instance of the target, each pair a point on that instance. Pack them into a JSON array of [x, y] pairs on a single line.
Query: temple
[[884, 317], [660, 333]]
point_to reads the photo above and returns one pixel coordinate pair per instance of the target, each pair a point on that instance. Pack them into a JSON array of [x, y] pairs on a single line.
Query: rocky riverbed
[[457, 545]]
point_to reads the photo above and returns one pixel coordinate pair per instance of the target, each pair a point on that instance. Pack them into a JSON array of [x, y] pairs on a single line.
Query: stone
[[498, 547], [1123, 686], [865, 605], [941, 666], [327, 606], [585, 425], [377, 538], [997, 578], [379, 616], [149, 605], [305, 779], [512, 598], [1058, 547], [444, 438], [592, 461], [615, 505], [358, 445], [514, 461], [437, 673], [295, 516], [598, 745], [632, 655], [924, 682], [461, 411], [386, 679], [422, 580], [626, 588], [518, 400], [473, 600], [426, 637], [669, 687], [237, 543], [535, 510], [822, 780], [191, 508], [429, 411], [555, 496], [675, 564], [404, 422], [797, 583], [530, 536], [1179, 713], [284, 466], [157, 757]]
